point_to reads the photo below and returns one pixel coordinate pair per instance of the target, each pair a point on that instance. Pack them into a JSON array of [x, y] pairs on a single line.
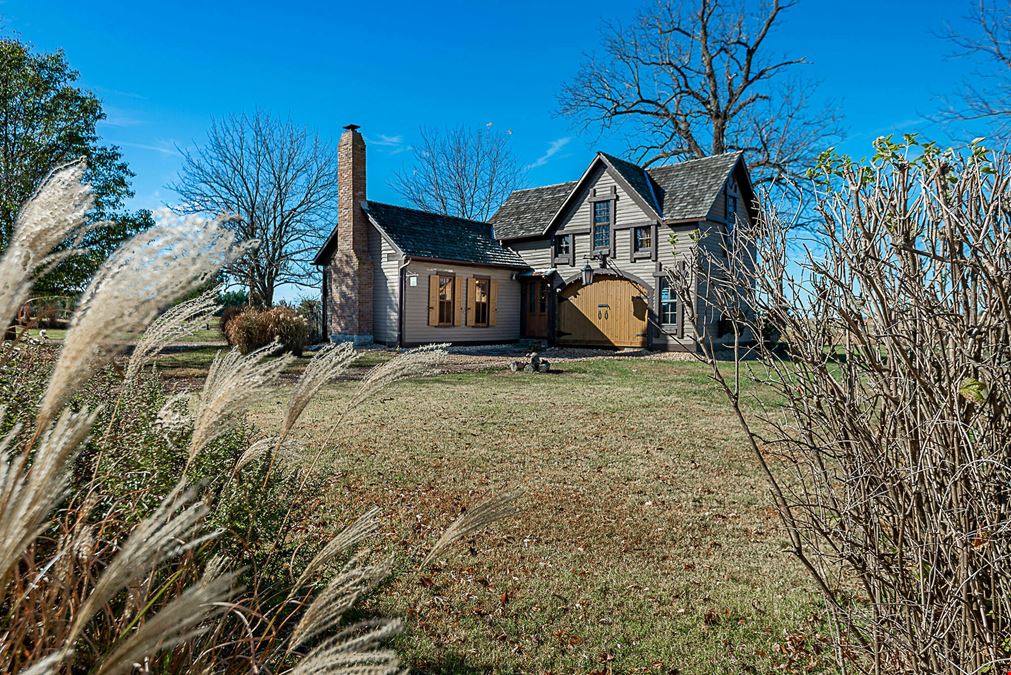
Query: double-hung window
[[668, 308], [563, 246], [481, 288], [642, 241], [446, 309], [601, 225]]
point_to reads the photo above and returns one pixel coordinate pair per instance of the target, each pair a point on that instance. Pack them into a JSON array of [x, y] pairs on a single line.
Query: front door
[[535, 308], [610, 312]]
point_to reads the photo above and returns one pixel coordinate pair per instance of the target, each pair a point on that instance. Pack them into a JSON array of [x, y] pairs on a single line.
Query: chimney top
[[352, 127]]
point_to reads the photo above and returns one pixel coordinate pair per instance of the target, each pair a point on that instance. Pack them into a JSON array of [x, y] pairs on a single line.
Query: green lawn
[[646, 541], [193, 361]]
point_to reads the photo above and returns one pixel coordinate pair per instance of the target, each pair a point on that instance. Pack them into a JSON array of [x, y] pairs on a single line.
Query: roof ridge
[[695, 159], [620, 159], [429, 213], [541, 187]]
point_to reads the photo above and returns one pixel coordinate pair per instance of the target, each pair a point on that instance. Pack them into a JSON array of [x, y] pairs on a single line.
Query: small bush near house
[[254, 329], [227, 314]]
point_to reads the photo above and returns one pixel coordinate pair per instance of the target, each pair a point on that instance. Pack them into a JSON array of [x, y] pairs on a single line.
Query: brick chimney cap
[[352, 127]]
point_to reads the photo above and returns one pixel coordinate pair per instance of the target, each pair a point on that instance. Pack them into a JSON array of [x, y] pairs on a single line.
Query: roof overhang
[[467, 263]]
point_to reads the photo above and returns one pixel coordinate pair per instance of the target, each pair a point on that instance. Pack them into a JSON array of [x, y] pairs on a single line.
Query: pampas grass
[[138, 281], [233, 382], [54, 214], [474, 519], [180, 321], [109, 589]]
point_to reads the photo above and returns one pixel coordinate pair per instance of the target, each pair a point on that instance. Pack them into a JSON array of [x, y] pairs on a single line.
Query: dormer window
[[601, 225]]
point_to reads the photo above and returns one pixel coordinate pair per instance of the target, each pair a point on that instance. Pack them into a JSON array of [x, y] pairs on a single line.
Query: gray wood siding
[[416, 328], [385, 288], [535, 252], [538, 253], [711, 245], [626, 212]]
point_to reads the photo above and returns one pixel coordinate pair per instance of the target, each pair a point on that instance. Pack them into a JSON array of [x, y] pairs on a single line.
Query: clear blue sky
[[165, 69]]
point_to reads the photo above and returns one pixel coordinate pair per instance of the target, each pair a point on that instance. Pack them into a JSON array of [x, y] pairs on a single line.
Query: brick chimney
[[350, 294]]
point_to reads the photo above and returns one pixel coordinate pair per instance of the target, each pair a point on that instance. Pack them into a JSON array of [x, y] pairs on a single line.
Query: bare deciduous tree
[[463, 173], [986, 95], [692, 78], [888, 447], [278, 182]]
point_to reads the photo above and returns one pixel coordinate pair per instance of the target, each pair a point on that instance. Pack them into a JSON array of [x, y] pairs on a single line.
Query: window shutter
[[458, 300], [572, 250], [656, 242], [492, 301], [433, 300], [471, 295]]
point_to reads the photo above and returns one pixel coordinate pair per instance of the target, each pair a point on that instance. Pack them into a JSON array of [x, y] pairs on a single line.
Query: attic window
[[601, 225], [643, 239]]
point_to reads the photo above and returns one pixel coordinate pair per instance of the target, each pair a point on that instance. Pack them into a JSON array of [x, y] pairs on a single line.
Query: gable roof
[[421, 234], [637, 179], [676, 193], [687, 190], [526, 211]]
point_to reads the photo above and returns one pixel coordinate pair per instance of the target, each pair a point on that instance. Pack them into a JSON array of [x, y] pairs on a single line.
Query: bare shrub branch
[[887, 343]]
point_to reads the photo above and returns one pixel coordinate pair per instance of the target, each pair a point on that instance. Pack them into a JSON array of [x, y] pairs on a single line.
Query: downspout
[[324, 332], [404, 262]]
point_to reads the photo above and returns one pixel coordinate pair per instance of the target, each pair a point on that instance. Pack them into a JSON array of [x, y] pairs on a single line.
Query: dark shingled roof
[[420, 234], [635, 176], [684, 191], [527, 212]]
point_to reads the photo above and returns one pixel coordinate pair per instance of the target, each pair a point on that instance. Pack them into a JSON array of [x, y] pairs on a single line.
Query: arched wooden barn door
[[610, 312]]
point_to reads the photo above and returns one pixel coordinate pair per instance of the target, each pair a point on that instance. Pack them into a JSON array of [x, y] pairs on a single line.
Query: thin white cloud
[[117, 117], [392, 145], [384, 141], [167, 148], [554, 147]]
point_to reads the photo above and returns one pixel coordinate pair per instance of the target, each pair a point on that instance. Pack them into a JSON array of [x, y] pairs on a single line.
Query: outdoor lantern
[[587, 274]]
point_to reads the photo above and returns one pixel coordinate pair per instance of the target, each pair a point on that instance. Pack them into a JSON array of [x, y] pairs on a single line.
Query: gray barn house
[[400, 276]]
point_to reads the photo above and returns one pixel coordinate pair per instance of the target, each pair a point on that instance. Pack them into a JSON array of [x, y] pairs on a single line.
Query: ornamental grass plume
[[419, 362], [138, 281], [54, 214], [172, 529], [326, 366], [474, 519], [28, 496], [326, 611], [180, 321], [356, 650], [346, 541], [185, 617], [233, 382]]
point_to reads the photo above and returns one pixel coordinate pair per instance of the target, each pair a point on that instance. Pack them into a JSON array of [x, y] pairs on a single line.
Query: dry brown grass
[[645, 539]]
